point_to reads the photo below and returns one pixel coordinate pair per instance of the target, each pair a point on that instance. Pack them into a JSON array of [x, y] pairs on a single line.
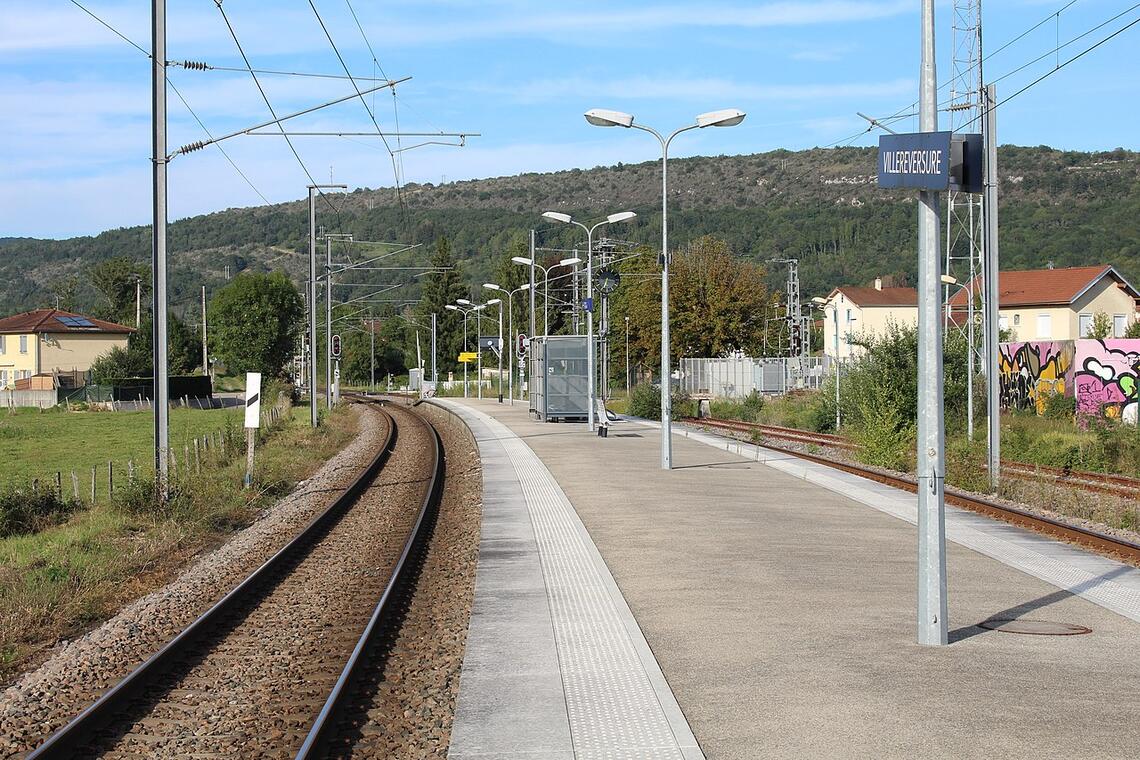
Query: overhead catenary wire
[[182, 98], [269, 105], [203, 66], [363, 100]]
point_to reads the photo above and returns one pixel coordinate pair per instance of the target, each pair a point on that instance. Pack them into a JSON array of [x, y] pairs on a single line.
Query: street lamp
[[822, 304], [478, 309], [621, 216], [627, 375], [510, 334], [728, 117], [464, 312]]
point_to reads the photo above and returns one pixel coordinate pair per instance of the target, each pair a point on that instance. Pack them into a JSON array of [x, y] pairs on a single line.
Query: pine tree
[[441, 288]]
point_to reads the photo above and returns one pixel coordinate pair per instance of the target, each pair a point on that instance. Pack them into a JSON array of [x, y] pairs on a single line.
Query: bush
[[645, 401], [1060, 407], [24, 509]]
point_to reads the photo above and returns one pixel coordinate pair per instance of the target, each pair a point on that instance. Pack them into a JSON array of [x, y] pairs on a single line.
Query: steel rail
[[69, 740], [320, 733], [1102, 543], [1122, 486]]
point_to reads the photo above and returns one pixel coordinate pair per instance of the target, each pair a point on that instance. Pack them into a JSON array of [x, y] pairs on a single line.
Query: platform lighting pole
[[724, 118], [158, 250], [930, 469], [434, 374], [313, 189], [620, 216], [510, 334], [530, 353], [822, 304], [479, 350], [372, 355], [464, 312], [627, 376], [992, 278]]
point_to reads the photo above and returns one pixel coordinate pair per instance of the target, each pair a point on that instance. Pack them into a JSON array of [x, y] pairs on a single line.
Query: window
[[1003, 323], [1016, 319], [23, 344], [3, 344], [3, 378], [1045, 326], [1084, 325], [1119, 325]]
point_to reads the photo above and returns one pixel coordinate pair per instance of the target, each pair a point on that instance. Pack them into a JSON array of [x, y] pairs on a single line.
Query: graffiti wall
[[1032, 372], [1106, 379]]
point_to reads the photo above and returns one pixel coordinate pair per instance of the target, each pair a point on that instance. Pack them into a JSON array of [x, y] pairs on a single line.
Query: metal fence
[[737, 377]]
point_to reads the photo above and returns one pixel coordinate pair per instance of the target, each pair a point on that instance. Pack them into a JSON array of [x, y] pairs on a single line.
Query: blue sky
[[75, 148]]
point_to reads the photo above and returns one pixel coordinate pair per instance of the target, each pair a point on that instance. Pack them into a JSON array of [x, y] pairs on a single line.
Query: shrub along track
[[1103, 543], [249, 677]]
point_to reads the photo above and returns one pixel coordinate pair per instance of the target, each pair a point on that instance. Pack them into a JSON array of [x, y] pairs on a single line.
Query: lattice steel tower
[[965, 247]]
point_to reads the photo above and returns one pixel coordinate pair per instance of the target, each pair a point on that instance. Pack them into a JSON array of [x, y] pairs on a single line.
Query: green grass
[[36, 444], [63, 579]]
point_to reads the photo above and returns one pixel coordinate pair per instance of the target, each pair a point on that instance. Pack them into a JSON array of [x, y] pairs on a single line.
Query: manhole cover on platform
[[1035, 627]]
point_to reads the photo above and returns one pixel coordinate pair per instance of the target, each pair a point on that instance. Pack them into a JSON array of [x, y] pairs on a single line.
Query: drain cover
[[1035, 627]]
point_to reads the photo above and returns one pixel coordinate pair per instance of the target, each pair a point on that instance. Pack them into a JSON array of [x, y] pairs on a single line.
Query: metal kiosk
[[558, 378]]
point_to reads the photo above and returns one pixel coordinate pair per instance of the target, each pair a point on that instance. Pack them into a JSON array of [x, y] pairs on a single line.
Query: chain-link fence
[[737, 377]]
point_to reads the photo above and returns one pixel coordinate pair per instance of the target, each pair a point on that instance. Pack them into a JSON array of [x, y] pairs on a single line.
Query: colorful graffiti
[[1107, 379], [1032, 372]]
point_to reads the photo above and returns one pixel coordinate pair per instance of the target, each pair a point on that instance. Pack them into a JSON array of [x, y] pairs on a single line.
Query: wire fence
[[738, 377]]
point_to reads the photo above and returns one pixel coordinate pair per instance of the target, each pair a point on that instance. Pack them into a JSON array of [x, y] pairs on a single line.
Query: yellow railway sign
[[468, 356]]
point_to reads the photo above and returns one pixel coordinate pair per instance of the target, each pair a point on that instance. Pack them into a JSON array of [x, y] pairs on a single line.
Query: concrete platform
[[780, 608]]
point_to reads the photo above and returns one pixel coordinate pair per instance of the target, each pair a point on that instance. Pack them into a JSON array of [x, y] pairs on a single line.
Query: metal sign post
[[931, 460], [252, 420]]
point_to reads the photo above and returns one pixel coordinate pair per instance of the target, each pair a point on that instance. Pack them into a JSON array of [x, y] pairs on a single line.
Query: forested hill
[[819, 206]]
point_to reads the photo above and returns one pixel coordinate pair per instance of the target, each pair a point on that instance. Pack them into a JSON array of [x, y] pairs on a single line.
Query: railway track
[[1103, 543], [1095, 482], [266, 670]]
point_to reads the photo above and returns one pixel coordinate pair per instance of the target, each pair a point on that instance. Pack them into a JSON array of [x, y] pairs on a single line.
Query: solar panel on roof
[[76, 321]]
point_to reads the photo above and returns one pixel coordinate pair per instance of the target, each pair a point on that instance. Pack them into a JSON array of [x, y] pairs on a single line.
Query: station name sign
[[931, 161]]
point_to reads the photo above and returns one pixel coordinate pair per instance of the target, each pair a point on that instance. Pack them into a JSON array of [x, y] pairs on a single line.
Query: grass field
[[36, 444], [60, 580]]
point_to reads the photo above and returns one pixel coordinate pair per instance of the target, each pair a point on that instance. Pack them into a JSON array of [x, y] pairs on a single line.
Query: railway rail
[[1095, 482], [1113, 546], [265, 670]]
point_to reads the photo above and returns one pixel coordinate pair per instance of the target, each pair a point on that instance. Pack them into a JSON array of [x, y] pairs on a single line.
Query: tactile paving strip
[[614, 710], [1105, 582]]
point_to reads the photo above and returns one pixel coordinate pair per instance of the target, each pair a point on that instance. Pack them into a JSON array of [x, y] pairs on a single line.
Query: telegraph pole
[[992, 278], [930, 470], [158, 249]]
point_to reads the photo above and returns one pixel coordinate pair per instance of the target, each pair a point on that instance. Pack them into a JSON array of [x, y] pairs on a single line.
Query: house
[[1058, 304], [49, 341], [867, 311]]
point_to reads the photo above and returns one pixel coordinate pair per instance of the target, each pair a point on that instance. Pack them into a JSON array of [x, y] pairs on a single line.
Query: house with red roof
[[37, 345], [849, 311], [1058, 304]]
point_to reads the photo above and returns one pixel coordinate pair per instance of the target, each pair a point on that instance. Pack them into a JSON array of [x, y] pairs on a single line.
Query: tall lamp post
[[464, 312], [621, 216], [724, 118], [510, 334], [822, 304], [627, 375]]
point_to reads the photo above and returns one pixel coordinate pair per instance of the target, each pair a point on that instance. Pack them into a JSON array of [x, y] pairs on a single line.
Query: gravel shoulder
[[42, 700]]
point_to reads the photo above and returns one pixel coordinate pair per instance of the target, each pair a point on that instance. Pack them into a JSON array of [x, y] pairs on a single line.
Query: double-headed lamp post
[[464, 312], [510, 334], [621, 216], [729, 117], [822, 304]]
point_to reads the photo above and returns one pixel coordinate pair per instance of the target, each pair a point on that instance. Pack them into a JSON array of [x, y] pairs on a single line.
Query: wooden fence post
[[75, 485]]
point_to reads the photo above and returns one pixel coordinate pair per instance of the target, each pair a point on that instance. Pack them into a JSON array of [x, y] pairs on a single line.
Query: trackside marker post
[[252, 420]]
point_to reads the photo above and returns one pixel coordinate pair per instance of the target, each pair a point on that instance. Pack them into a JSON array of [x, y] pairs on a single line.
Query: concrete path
[[782, 611], [555, 665]]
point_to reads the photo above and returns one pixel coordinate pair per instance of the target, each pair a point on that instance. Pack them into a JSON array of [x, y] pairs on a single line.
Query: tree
[[1133, 329], [65, 293], [442, 288], [256, 321], [115, 280], [390, 338], [717, 303], [1101, 327]]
